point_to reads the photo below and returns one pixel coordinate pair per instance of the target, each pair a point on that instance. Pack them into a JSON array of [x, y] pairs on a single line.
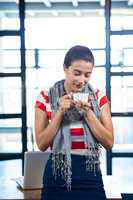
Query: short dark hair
[[78, 52]]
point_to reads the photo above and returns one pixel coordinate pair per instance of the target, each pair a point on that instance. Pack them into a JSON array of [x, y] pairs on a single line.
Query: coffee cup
[[83, 97]]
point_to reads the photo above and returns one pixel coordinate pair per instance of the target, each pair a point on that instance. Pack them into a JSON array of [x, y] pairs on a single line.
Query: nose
[[83, 80]]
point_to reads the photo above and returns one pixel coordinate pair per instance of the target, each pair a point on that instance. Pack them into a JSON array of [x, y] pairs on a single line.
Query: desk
[[111, 187], [10, 190]]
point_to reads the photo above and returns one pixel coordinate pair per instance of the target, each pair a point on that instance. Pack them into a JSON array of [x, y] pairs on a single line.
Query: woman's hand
[[83, 107], [65, 103]]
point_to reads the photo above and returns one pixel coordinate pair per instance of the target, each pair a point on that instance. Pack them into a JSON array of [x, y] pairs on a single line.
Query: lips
[[77, 86]]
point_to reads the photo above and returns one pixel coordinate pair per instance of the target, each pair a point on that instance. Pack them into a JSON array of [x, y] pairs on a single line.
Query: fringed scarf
[[61, 149]]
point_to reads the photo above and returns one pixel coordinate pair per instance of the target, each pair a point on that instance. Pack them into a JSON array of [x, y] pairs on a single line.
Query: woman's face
[[77, 75]]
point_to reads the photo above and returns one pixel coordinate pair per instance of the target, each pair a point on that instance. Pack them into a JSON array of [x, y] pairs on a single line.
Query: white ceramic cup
[[83, 97]]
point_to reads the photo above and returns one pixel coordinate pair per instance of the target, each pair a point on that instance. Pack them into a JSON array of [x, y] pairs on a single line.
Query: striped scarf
[[61, 149]]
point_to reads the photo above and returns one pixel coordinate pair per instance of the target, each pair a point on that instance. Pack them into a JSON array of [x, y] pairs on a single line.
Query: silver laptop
[[34, 165]]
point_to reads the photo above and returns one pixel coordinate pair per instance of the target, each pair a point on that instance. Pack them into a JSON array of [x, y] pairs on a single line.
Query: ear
[[65, 69]]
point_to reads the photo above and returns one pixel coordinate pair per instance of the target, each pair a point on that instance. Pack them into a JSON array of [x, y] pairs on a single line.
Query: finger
[[78, 103], [87, 104], [90, 97], [68, 96]]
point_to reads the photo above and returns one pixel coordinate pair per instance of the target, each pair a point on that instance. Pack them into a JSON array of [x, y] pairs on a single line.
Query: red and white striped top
[[76, 129]]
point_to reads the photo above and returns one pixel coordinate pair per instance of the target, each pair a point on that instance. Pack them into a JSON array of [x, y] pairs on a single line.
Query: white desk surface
[[111, 186], [10, 190]]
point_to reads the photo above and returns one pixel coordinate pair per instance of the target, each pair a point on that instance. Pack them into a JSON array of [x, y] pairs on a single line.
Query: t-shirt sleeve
[[41, 101], [101, 97]]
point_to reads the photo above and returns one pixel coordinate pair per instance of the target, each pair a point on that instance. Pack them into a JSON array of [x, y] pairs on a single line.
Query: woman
[[75, 129]]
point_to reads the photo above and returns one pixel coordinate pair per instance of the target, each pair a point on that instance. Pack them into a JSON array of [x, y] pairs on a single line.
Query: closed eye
[[78, 73], [87, 75]]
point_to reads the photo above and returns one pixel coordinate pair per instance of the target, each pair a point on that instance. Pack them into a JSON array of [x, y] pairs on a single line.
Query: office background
[[34, 36]]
